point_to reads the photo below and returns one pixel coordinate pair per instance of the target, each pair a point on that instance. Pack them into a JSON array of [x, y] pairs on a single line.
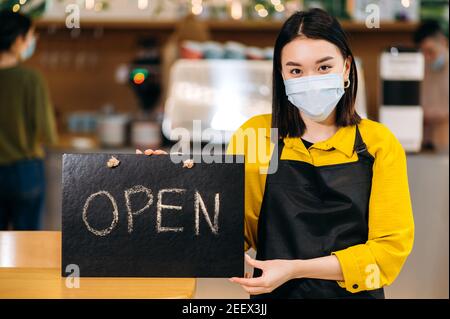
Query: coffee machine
[[145, 79], [402, 71]]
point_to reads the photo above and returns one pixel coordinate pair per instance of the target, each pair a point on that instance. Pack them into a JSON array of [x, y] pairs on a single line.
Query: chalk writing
[[135, 190], [115, 220], [160, 206], [200, 204], [199, 209]]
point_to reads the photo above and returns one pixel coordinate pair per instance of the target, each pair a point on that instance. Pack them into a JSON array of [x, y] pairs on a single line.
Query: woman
[[334, 219], [26, 122]]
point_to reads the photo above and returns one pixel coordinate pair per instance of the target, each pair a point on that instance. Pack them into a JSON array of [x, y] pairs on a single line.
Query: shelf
[[225, 25]]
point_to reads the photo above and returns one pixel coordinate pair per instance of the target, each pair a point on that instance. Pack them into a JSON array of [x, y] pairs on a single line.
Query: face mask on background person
[[439, 63], [316, 96], [29, 51]]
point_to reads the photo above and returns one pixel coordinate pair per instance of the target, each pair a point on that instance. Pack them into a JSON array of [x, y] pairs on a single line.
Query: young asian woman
[[334, 220]]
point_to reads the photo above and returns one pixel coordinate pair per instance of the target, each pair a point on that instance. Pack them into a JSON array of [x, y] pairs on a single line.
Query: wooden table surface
[[30, 267]]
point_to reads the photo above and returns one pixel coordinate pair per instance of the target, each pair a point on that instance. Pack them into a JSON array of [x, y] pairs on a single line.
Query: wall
[[107, 45]]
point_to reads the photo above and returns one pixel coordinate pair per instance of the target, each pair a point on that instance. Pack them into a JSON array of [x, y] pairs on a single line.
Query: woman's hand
[[274, 273], [151, 152]]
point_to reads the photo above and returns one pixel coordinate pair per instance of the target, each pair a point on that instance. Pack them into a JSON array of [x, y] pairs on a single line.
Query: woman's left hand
[[274, 273]]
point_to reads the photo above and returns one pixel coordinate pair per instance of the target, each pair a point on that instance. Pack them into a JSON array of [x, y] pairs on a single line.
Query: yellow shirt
[[391, 225]]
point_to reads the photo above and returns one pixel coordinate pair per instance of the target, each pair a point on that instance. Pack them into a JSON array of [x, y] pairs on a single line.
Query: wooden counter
[[30, 268]]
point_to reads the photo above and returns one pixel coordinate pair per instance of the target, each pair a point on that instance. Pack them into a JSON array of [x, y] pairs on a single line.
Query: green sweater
[[26, 115]]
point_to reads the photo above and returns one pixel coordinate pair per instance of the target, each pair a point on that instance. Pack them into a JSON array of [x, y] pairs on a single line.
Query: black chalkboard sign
[[150, 217]]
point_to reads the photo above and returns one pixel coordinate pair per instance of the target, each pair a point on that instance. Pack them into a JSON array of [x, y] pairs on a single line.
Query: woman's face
[[22, 42], [306, 57]]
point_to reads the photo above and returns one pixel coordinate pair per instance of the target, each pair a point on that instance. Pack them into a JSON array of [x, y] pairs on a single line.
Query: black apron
[[309, 212]]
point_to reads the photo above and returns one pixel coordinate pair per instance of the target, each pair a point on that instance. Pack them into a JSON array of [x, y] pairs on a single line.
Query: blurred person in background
[[26, 123], [434, 44]]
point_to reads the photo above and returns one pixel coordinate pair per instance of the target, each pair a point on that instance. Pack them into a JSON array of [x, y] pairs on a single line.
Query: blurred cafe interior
[[124, 75]]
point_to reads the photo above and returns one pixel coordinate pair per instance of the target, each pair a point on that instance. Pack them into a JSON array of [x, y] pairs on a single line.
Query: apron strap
[[280, 147], [360, 147]]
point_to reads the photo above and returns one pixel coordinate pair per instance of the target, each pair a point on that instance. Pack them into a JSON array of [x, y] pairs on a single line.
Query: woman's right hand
[[149, 152]]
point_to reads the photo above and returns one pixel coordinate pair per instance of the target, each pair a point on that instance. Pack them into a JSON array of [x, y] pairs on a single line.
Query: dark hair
[[313, 24], [429, 28], [12, 25]]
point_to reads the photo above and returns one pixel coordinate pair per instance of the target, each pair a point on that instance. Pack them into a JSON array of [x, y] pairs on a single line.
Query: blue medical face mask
[[316, 96], [439, 63], [29, 51]]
